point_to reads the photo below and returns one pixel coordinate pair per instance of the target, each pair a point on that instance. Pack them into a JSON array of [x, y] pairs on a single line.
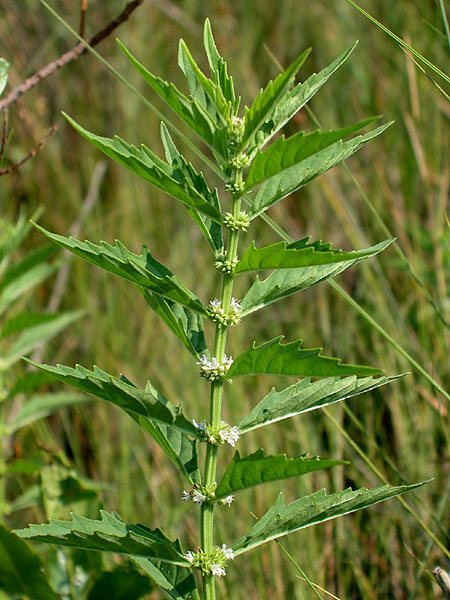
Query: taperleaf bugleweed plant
[[257, 175]]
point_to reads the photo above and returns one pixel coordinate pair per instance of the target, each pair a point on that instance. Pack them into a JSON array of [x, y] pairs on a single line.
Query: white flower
[[216, 304], [235, 304], [200, 426], [227, 552], [217, 570], [230, 435], [213, 369], [228, 500], [185, 496], [189, 556], [198, 497]]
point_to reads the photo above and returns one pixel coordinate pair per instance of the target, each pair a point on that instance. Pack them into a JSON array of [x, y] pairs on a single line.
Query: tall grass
[[403, 428]]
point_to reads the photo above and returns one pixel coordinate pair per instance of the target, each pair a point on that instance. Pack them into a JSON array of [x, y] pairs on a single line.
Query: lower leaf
[[178, 582]]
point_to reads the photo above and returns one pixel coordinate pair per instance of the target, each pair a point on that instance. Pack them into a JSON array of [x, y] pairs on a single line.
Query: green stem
[[207, 510]]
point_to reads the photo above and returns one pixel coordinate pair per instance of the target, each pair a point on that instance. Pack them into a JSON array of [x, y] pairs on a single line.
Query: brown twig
[[4, 133], [68, 56], [443, 580], [30, 154], [83, 16]]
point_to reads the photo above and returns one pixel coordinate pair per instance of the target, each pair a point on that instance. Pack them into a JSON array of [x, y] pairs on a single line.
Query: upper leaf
[[142, 269], [282, 519], [266, 101], [148, 403], [21, 571], [256, 469], [218, 67], [285, 153], [110, 534], [289, 180], [282, 256], [305, 396], [189, 110], [4, 68], [288, 359], [294, 100], [146, 164], [177, 581]]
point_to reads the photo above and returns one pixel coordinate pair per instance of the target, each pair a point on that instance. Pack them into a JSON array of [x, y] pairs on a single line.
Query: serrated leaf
[[146, 164], [142, 269], [284, 282], [110, 534], [310, 510], [122, 583], [218, 67], [4, 68], [189, 110], [256, 469], [148, 403], [43, 405], [285, 153], [276, 358], [21, 571], [291, 179], [36, 334], [185, 171], [185, 324], [305, 396], [282, 256], [267, 99], [177, 581], [294, 100]]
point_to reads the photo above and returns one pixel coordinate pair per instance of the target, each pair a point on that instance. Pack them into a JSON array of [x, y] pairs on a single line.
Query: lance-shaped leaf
[[21, 571], [282, 256], [276, 358], [4, 67], [110, 534], [189, 110], [294, 100], [255, 469], [291, 179], [122, 583], [310, 510], [148, 403], [305, 396], [218, 67], [285, 153], [177, 581], [284, 282], [141, 269], [146, 164], [267, 99], [184, 171]]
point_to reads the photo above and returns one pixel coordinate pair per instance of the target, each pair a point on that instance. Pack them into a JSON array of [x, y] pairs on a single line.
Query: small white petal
[[189, 556], [217, 570], [227, 552], [185, 496]]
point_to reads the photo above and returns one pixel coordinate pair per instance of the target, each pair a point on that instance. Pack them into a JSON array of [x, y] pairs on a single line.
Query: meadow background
[[401, 429]]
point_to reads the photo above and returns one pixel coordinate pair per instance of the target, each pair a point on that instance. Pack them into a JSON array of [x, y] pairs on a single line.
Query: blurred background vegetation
[[402, 428]]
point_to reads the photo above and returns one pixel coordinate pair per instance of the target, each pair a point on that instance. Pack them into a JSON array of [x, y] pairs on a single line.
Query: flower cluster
[[218, 435], [240, 161], [241, 221], [213, 563], [218, 314], [236, 128], [212, 369], [199, 494], [224, 265], [235, 187]]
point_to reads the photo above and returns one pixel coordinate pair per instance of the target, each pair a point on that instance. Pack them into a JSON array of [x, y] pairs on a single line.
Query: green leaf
[[218, 67], [122, 583], [43, 405], [29, 382], [146, 164], [284, 282], [189, 110], [36, 332], [184, 171], [265, 102], [305, 396], [21, 571], [148, 403], [285, 153], [316, 508], [185, 324], [291, 179], [4, 68], [282, 256], [110, 534], [294, 100], [276, 358], [255, 469], [142, 269], [178, 582]]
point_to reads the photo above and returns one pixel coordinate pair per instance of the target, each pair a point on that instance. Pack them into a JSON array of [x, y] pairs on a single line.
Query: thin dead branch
[[30, 154], [83, 16], [4, 133]]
